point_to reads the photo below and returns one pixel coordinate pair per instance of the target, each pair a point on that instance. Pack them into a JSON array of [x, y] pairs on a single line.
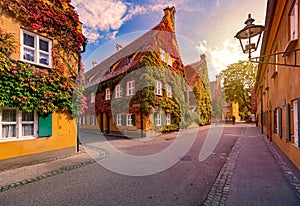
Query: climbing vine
[[32, 88]]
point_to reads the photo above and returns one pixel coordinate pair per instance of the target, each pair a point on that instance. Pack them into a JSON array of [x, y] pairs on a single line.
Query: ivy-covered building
[[199, 89], [40, 46], [142, 88]]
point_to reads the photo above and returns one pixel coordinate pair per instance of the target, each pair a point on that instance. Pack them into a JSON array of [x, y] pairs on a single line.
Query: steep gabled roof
[[161, 36]]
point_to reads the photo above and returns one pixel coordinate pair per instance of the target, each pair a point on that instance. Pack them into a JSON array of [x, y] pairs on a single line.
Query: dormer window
[[130, 59], [35, 49]]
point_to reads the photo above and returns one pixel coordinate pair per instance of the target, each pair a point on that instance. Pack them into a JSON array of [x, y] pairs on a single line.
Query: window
[[35, 49], [16, 124], [82, 120], [158, 89], [169, 91], [130, 88], [129, 119], [294, 22], [162, 55], [92, 120], [107, 94], [130, 59], [119, 120], [158, 119], [168, 120], [170, 60], [118, 91], [276, 121], [92, 97]]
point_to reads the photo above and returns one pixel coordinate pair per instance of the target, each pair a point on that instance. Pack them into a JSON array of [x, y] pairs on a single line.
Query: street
[[186, 183]]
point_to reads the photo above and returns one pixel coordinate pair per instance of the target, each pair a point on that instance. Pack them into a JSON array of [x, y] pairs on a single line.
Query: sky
[[201, 26]]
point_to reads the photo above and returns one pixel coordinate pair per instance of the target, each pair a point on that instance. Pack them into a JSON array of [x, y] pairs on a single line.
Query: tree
[[238, 80]]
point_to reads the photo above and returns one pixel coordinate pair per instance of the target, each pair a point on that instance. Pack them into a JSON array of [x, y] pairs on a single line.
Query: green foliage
[[33, 89], [239, 79], [170, 128]]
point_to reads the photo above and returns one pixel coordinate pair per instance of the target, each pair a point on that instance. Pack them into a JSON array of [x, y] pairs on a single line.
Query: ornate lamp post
[[247, 33]]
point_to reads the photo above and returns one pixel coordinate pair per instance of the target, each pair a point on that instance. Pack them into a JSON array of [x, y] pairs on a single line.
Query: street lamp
[[249, 31]]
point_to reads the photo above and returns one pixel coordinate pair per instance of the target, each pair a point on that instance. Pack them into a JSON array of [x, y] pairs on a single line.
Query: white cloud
[[218, 3], [104, 15], [219, 57]]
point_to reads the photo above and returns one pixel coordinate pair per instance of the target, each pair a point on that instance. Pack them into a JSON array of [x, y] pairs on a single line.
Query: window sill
[[17, 139], [41, 66]]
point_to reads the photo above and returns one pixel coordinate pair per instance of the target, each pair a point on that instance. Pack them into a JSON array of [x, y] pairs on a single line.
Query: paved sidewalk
[[16, 177], [254, 174]]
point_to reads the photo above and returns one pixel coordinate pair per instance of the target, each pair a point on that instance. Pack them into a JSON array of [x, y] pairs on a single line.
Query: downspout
[[78, 73]]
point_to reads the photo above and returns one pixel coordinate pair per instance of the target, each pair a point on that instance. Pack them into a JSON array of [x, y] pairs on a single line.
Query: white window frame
[[19, 125], [93, 120], [170, 60], [129, 119], [36, 49], [169, 90], [130, 88], [158, 88], [118, 91], [293, 20], [107, 94], [93, 97], [82, 120], [158, 119], [168, 119], [119, 120], [162, 55], [295, 117]]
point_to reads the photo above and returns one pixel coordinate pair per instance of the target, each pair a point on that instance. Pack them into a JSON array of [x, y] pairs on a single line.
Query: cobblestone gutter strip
[[102, 155], [218, 193], [291, 178]]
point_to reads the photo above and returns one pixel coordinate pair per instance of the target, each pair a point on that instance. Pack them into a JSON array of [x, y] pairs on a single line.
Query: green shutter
[[45, 126], [133, 119], [298, 109], [163, 119], [280, 122], [155, 117], [172, 120], [288, 122], [123, 119]]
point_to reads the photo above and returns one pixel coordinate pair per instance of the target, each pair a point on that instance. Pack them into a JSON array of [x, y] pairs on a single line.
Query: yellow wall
[[64, 132], [64, 135], [282, 87]]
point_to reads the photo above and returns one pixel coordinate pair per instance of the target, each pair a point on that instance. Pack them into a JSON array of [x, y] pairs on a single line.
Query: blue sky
[[202, 26]]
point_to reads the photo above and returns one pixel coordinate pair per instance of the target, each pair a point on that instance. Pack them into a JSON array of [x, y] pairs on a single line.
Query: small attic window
[[130, 59]]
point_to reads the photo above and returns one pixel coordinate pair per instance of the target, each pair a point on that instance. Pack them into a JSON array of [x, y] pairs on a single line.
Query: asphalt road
[[185, 183]]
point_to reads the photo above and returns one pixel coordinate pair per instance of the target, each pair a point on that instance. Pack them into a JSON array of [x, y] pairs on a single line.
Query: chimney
[[170, 11], [119, 47]]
